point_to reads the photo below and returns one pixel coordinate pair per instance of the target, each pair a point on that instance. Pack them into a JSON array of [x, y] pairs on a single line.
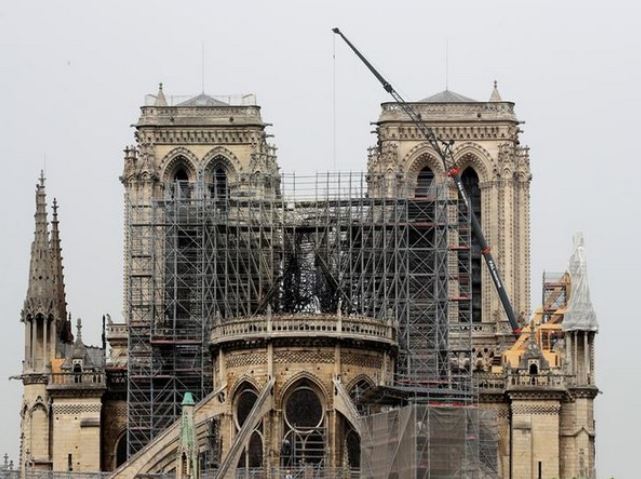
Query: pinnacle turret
[[41, 293], [495, 96], [160, 97], [58, 269]]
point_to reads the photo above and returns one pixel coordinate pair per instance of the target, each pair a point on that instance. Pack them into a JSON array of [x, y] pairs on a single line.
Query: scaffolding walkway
[[322, 244]]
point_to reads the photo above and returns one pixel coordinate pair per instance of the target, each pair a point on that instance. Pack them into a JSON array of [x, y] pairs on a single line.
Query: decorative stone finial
[[79, 330], [160, 97], [495, 96]]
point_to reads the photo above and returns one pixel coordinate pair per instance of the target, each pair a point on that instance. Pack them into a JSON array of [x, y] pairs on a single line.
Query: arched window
[[252, 456], [357, 392], [121, 450], [181, 186], [423, 182], [304, 440], [470, 182], [218, 188], [353, 448], [77, 373], [245, 400], [534, 369]]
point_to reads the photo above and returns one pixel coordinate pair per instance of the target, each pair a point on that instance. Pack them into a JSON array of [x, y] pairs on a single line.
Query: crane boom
[[443, 151]]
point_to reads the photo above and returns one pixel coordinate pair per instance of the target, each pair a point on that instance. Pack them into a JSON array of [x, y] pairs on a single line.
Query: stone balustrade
[[80, 379], [312, 325], [494, 110], [487, 382]]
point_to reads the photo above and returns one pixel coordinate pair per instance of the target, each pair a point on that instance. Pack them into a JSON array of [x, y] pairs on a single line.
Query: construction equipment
[[443, 150]]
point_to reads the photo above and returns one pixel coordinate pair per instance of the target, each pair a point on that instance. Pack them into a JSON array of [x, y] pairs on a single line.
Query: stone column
[[45, 342], [34, 336], [53, 341], [27, 345]]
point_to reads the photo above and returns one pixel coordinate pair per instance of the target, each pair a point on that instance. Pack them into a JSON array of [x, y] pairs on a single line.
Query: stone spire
[[160, 97], [56, 256], [495, 96], [41, 292]]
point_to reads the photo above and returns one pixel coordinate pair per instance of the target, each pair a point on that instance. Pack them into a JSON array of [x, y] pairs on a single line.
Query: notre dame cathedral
[[338, 324]]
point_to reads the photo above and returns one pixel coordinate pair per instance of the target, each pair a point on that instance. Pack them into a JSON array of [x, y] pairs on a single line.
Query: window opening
[[304, 442], [423, 182], [470, 182]]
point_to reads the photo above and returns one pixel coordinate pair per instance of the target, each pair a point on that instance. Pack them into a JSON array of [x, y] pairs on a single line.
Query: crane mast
[[443, 150]]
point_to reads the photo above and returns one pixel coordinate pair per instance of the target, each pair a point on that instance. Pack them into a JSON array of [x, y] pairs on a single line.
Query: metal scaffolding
[[429, 441], [318, 244]]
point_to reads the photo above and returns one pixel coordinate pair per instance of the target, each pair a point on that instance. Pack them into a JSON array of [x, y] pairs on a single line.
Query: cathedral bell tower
[[495, 171], [46, 332]]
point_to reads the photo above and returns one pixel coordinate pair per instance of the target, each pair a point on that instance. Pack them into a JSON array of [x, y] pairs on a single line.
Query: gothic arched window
[[252, 455], [471, 184], [423, 182], [304, 426], [218, 188], [121, 450], [217, 177], [181, 183], [353, 448]]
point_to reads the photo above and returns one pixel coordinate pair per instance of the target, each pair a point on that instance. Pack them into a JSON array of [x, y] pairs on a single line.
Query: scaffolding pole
[[319, 244]]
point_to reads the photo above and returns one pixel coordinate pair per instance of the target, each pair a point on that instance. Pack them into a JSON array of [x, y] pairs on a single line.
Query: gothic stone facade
[[541, 385]]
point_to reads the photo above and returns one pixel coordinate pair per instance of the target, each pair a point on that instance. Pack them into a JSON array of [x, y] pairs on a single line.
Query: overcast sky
[[73, 74]]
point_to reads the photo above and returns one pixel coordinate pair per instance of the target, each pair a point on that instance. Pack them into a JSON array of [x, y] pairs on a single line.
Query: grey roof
[[203, 100], [447, 96]]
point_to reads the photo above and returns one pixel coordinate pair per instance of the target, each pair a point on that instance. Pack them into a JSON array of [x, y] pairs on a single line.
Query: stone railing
[[265, 327], [83, 379], [489, 329], [537, 380], [488, 382], [151, 115], [494, 110]]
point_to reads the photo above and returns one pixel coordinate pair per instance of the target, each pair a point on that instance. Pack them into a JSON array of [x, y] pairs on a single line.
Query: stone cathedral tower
[[46, 330], [496, 173], [63, 379]]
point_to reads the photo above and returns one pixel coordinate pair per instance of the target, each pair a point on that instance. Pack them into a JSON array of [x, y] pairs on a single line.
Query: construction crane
[[443, 150]]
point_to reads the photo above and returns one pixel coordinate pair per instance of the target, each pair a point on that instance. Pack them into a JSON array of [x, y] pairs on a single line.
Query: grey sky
[[73, 73]]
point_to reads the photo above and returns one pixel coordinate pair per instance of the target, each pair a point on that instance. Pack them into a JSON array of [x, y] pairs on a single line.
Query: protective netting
[[429, 442], [580, 315]]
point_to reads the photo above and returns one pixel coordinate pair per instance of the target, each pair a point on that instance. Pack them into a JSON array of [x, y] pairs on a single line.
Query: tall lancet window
[[423, 182], [219, 183], [181, 183], [471, 184]]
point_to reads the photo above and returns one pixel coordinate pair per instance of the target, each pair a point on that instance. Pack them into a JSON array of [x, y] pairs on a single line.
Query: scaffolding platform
[[320, 245]]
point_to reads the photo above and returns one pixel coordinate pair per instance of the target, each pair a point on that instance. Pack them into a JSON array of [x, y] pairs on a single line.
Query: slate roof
[[203, 100], [448, 96]]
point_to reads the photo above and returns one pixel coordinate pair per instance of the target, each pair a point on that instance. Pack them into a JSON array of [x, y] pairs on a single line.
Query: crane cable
[[334, 102]]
